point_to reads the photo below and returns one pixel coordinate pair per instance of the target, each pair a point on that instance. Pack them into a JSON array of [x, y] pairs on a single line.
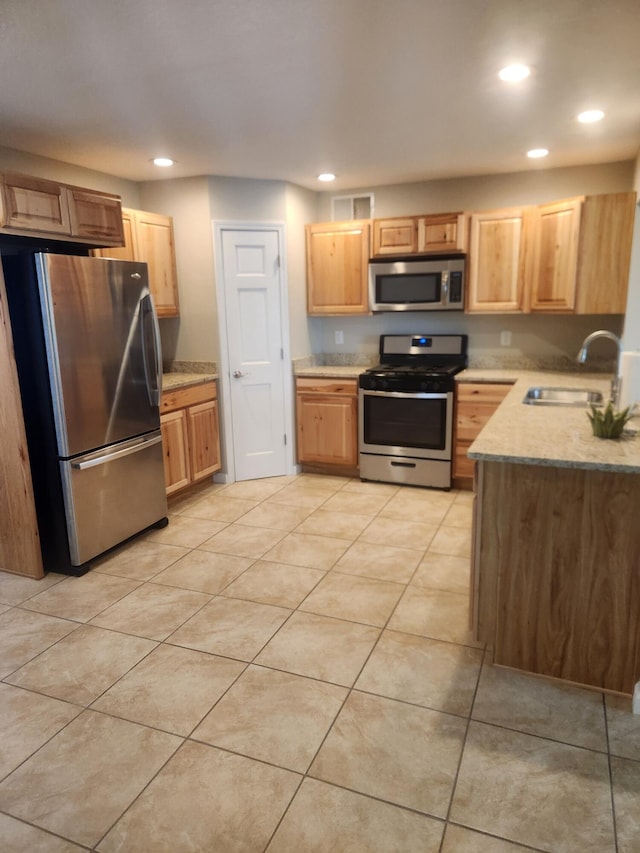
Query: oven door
[[398, 423]]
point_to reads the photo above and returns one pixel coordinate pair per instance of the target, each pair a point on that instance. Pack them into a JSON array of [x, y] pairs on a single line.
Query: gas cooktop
[[417, 363]]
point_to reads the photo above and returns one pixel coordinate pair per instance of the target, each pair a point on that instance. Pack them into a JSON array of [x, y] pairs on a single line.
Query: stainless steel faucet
[[617, 379]]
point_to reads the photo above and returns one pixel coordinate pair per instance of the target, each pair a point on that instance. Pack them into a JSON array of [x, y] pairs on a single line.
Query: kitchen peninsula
[[556, 558]]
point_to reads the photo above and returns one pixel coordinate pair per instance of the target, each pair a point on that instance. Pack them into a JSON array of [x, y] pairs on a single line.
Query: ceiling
[[378, 92]]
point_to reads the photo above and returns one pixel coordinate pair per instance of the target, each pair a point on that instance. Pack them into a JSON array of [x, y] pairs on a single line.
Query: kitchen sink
[[543, 396]]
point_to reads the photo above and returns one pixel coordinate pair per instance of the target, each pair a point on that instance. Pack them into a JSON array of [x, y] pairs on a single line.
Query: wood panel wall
[[560, 549], [19, 538]]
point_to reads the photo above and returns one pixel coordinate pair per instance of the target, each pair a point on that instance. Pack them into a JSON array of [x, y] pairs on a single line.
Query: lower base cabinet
[[190, 435], [475, 403], [327, 423]]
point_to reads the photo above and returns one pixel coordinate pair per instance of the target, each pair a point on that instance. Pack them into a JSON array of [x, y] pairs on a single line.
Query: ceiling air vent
[[345, 207]]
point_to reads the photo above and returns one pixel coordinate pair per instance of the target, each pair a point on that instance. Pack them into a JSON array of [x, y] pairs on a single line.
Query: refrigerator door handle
[[154, 376], [94, 460]]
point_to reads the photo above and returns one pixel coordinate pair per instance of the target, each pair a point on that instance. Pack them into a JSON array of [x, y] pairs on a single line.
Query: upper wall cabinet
[[419, 234], [148, 237], [34, 207], [496, 261], [568, 257], [556, 230], [604, 257], [337, 267]]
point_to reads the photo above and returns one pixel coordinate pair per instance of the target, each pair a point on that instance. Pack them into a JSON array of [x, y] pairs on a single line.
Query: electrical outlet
[[338, 337], [505, 339]]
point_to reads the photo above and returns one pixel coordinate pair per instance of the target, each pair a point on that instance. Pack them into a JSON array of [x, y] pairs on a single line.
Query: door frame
[[228, 472]]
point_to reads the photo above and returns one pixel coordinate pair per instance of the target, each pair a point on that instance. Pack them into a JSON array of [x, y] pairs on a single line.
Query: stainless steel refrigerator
[[90, 371]]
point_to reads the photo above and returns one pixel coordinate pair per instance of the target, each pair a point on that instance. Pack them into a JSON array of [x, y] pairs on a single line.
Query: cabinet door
[[555, 256], [337, 267], [154, 238], [327, 429], [496, 261], [395, 236], [204, 439], [32, 204], [95, 215], [604, 255], [475, 403], [127, 252], [442, 233], [175, 448]]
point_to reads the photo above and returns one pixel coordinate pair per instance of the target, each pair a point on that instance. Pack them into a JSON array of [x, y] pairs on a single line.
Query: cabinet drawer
[[327, 386], [180, 398], [489, 393]]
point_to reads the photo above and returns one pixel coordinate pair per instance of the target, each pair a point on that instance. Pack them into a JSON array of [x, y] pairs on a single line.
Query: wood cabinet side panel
[[19, 534], [604, 255], [566, 550]]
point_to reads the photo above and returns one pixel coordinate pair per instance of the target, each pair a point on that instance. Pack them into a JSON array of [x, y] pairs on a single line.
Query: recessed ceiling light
[[589, 116], [163, 161], [327, 176], [536, 153], [514, 73]]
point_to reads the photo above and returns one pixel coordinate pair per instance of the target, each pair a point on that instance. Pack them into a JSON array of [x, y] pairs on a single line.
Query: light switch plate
[[338, 337], [505, 339]]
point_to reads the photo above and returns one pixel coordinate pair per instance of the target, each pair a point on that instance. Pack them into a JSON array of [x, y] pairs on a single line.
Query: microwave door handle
[[445, 287]]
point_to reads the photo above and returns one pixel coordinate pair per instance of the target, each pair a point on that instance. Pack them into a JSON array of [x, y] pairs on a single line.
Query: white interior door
[[255, 351]]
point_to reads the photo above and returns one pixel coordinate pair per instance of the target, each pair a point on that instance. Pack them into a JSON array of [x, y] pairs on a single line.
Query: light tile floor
[[287, 667]]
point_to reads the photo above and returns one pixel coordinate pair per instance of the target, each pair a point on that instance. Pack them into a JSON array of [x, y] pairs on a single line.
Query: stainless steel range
[[406, 406]]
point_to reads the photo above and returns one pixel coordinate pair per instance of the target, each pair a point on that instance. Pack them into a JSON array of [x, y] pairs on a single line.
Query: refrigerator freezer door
[[112, 494], [102, 350]]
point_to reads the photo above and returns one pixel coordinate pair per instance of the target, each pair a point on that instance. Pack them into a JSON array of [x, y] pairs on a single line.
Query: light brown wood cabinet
[[148, 237], [568, 257], [604, 258], [409, 235], [190, 435], [496, 273], [556, 231], [19, 533], [552, 593], [475, 403], [327, 422], [337, 267], [37, 207]]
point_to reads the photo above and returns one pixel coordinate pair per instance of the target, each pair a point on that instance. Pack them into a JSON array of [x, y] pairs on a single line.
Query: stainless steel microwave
[[417, 283]]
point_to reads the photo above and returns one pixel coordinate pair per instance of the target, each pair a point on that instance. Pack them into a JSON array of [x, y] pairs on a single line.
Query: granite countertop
[[180, 379], [557, 436]]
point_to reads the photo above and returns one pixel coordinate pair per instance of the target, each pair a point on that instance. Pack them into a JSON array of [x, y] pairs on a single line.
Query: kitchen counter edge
[[553, 436], [171, 381]]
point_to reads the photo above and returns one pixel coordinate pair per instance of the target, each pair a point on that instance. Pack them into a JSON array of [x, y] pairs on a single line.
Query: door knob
[[238, 373]]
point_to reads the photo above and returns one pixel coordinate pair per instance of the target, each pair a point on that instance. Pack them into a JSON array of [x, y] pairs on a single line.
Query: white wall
[[194, 335], [484, 192], [301, 208]]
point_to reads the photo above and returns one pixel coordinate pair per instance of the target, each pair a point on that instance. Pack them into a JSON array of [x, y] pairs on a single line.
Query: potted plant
[[607, 423]]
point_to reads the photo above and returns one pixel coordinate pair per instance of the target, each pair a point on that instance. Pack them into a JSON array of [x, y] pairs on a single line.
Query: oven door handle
[[413, 395]]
